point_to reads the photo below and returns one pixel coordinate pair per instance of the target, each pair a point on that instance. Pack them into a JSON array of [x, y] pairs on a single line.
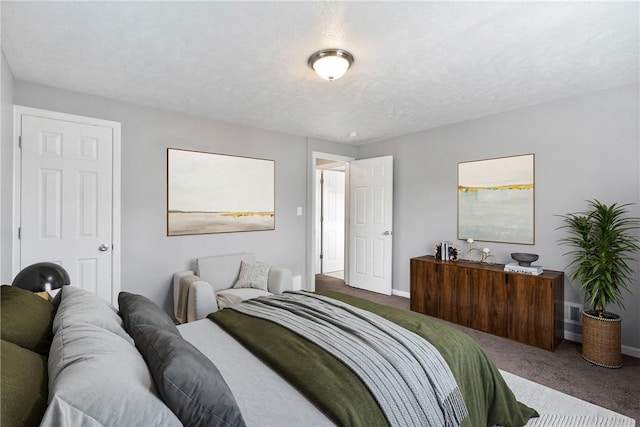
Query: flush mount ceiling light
[[331, 64]]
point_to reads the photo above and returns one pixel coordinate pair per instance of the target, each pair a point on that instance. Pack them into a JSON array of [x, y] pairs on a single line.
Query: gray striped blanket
[[406, 375]]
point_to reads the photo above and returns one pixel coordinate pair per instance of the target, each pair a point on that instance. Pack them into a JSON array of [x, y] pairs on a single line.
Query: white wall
[[6, 177], [149, 257], [585, 147]]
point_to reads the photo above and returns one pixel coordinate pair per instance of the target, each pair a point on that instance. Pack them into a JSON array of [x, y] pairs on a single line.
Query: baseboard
[[631, 351], [628, 350], [403, 294], [572, 336]]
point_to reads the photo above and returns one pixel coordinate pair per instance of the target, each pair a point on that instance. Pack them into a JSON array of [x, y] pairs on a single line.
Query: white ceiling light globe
[[331, 64]]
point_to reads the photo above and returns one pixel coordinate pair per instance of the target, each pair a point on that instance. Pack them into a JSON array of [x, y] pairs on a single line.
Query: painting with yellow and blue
[[496, 199]]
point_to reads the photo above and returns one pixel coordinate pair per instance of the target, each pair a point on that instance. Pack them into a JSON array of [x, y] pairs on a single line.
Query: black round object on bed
[[42, 276]]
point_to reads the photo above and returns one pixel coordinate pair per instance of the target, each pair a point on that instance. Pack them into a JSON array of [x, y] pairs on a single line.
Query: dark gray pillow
[[139, 310], [187, 381]]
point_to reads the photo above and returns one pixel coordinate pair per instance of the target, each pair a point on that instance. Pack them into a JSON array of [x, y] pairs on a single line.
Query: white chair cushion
[[221, 272]]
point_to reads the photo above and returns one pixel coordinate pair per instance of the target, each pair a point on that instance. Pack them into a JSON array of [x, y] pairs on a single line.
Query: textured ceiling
[[417, 64]]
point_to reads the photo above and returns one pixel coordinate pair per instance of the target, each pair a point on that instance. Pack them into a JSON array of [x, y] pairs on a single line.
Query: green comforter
[[341, 395]]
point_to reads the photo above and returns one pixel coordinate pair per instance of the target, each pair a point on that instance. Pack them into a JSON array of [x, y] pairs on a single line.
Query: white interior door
[[332, 221], [66, 206], [370, 222]]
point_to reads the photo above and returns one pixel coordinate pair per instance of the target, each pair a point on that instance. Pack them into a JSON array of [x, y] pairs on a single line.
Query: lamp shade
[[42, 276], [331, 64]]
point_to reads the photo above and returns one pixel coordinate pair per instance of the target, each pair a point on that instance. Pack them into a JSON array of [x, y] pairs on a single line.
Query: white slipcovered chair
[[211, 286]]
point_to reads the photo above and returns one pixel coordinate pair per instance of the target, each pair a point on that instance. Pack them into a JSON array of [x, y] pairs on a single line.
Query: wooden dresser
[[522, 307]]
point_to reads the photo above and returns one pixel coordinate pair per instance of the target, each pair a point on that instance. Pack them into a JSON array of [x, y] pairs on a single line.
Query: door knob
[[103, 247], [386, 233]]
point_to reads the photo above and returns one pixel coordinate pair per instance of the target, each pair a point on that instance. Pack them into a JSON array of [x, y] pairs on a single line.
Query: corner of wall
[[6, 167]]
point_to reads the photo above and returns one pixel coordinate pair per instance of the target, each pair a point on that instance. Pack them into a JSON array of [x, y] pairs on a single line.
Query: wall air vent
[[573, 313]]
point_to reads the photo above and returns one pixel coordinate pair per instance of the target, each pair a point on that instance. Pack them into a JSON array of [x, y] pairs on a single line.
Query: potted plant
[[603, 243]]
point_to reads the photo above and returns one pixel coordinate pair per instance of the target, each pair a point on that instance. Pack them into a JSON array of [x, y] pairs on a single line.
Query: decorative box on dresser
[[522, 307]]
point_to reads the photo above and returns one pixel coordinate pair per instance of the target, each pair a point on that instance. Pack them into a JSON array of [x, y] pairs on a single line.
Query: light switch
[[299, 211]]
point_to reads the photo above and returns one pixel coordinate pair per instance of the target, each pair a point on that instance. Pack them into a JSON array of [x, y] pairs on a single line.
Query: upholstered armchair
[[223, 280]]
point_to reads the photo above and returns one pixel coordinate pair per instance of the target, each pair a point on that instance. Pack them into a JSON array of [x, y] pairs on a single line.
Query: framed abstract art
[[218, 193], [496, 199]]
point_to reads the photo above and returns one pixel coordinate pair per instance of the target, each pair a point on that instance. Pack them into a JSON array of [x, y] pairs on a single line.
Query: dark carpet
[[563, 370]]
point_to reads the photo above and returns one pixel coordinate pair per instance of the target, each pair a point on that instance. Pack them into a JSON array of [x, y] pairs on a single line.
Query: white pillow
[[253, 275]]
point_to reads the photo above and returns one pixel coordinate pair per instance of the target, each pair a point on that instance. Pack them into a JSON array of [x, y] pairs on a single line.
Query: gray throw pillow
[[80, 306], [189, 383], [98, 379], [253, 275], [137, 309]]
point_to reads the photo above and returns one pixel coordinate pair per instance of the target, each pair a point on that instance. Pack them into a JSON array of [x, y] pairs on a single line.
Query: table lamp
[[41, 278]]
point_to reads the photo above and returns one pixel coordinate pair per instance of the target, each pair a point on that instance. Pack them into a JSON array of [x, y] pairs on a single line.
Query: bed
[[86, 364]]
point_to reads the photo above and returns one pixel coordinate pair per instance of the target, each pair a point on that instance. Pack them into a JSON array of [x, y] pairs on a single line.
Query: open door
[[332, 221], [370, 224]]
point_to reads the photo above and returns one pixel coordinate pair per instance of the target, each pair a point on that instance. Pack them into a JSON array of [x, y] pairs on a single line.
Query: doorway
[[319, 161], [368, 207], [330, 188]]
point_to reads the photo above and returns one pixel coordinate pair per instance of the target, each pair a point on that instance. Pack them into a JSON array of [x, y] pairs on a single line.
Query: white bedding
[[265, 399]]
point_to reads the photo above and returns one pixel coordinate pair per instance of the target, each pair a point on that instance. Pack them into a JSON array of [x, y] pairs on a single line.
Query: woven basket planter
[[601, 342]]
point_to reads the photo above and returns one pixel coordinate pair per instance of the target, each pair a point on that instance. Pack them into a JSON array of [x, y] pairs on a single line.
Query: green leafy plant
[[603, 243]]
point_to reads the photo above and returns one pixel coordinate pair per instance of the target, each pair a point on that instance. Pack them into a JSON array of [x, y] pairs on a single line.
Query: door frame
[[312, 244], [18, 112]]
